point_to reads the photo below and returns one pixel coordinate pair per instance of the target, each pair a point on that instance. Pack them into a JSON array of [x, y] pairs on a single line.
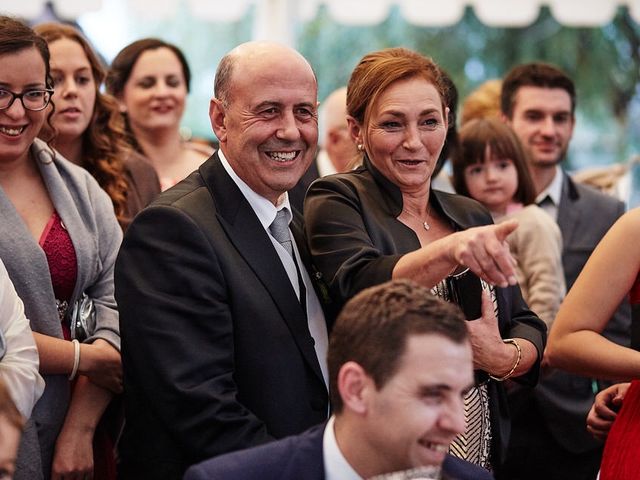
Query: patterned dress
[[474, 445]]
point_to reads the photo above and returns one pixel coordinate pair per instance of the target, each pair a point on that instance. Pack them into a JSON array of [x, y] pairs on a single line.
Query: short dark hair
[[474, 136], [535, 74], [374, 326], [126, 59]]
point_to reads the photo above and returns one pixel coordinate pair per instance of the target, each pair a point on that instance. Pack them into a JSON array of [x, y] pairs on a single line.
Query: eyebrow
[[306, 104], [435, 387], [275, 103], [543, 110], [38, 86], [397, 113], [53, 69]]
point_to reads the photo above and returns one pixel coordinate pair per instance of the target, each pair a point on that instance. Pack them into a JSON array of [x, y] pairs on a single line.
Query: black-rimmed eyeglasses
[[34, 100]]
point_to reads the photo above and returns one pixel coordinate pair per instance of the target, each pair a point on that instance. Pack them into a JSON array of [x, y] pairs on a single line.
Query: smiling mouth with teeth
[[283, 156], [437, 447], [12, 132]]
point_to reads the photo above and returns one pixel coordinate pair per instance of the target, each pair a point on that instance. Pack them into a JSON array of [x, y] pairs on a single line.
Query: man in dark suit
[[549, 437], [400, 363], [223, 336]]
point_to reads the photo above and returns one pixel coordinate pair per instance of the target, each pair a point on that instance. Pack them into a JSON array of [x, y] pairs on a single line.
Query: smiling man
[[400, 363], [549, 439], [223, 336]]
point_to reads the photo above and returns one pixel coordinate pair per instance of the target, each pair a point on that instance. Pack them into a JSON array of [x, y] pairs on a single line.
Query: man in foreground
[[400, 363]]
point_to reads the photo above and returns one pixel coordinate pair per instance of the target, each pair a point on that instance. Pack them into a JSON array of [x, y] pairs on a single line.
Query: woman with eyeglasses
[[59, 242]]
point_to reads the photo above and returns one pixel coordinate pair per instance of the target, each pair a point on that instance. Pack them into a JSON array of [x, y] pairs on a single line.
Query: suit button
[[318, 404]]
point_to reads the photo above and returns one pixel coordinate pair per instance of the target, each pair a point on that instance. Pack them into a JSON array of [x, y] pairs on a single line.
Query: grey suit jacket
[[584, 216], [216, 351], [87, 212]]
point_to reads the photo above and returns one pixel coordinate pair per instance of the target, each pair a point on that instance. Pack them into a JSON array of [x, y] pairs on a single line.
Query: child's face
[[493, 182], [9, 440]]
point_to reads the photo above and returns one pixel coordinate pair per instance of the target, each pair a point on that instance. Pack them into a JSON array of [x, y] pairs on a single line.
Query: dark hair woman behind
[[150, 79]]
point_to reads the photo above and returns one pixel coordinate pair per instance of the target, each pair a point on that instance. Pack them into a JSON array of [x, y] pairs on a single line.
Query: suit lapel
[[568, 215], [248, 236]]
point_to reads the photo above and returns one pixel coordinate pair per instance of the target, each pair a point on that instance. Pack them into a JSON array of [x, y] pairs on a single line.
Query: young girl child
[[491, 167]]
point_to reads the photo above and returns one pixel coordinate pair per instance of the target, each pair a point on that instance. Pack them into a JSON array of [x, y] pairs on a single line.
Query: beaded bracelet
[[76, 358], [515, 365]]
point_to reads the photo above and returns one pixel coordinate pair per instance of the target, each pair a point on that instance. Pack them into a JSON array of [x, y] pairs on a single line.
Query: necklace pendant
[[426, 226]]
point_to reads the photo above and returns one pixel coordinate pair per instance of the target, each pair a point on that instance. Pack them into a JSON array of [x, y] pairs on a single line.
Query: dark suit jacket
[[299, 458], [216, 351], [584, 216], [355, 241], [297, 193]]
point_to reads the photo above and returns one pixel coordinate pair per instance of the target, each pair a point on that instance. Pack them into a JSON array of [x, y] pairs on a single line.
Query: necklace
[[425, 223]]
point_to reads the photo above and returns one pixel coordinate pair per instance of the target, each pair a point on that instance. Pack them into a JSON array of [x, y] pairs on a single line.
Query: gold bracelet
[[515, 365]]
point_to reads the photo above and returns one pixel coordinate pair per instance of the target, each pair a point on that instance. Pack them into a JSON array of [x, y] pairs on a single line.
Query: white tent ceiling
[[275, 19]]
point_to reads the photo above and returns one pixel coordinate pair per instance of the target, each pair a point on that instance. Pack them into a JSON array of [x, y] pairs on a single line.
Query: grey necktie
[[279, 228]]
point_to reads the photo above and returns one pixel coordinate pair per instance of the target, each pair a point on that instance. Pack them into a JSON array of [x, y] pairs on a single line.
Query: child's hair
[[8, 409], [503, 142]]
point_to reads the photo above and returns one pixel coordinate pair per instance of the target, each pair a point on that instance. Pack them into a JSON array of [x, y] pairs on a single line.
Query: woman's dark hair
[[15, 36], [124, 62], [104, 142], [474, 136]]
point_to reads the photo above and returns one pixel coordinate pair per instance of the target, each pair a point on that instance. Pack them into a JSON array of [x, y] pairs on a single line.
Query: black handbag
[[82, 318]]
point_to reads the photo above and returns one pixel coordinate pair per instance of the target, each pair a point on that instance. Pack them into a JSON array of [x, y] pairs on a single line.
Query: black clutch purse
[[465, 290]]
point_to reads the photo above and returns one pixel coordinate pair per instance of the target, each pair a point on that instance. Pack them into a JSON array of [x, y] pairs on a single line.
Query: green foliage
[[604, 62]]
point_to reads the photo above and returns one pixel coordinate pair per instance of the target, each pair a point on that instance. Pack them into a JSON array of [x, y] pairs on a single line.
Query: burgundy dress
[[63, 267]]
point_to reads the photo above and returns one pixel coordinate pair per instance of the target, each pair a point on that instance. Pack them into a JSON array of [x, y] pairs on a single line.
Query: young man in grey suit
[[400, 363], [549, 438], [223, 336]]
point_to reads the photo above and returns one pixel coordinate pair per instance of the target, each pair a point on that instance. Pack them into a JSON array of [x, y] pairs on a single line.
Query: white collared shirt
[[336, 466], [554, 191], [266, 213]]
